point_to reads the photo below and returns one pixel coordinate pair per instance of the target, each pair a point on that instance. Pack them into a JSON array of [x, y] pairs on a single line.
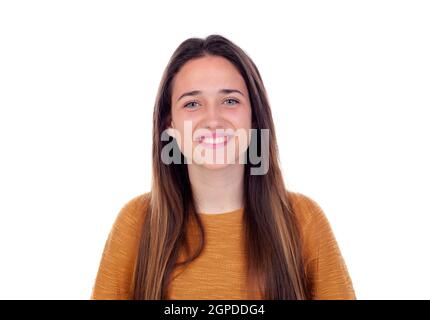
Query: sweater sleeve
[[324, 263], [114, 276]]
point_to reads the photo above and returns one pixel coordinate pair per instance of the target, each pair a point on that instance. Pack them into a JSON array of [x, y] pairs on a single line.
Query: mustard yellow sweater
[[218, 273]]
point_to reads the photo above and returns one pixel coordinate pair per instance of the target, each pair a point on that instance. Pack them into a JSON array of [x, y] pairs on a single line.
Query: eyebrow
[[197, 92]]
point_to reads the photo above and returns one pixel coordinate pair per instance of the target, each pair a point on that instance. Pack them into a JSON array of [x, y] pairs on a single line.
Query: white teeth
[[214, 141]]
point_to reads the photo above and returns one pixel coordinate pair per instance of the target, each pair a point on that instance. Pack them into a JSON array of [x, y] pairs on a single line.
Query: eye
[[231, 102], [190, 106]]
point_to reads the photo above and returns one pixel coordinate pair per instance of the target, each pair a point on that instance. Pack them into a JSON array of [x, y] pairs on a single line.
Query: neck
[[217, 191]]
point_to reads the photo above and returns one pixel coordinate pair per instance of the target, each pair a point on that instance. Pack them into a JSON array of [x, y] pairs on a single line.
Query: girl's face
[[211, 112]]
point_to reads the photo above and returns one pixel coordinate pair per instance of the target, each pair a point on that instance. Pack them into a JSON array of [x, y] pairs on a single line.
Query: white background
[[349, 86]]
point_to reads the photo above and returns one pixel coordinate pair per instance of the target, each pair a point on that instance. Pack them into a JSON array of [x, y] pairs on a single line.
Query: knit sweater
[[219, 272]]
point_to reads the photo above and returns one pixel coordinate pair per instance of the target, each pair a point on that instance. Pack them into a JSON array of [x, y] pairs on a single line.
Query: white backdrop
[[349, 86]]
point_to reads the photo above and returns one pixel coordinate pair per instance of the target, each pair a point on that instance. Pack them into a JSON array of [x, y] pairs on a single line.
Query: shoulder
[[316, 231], [126, 229], [311, 219], [325, 265], [133, 212], [306, 209], [116, 266]]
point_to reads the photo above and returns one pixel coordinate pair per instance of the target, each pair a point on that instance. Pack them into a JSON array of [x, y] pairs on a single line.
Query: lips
[[214, 140]]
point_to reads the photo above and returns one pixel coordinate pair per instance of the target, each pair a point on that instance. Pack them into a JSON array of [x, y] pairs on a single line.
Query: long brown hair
[[272, 237]]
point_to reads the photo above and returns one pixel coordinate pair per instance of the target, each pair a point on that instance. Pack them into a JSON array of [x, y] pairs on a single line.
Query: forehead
[[209, 73]]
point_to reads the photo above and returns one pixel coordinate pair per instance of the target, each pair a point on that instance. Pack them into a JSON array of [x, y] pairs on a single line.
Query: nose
[[212, 117]]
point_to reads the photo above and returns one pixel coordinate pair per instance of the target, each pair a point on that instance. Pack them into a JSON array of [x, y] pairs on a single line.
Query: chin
[[215, 166]]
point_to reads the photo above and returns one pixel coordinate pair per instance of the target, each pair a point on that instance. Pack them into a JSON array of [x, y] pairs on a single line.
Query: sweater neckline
[[221, 214]]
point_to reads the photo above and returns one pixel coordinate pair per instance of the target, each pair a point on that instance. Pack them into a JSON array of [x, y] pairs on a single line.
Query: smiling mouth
[[214, 142]]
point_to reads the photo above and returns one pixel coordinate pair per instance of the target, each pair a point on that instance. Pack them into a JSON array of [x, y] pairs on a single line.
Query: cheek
[[242, 121], [184, 123], [242, 118], [179, 117]]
